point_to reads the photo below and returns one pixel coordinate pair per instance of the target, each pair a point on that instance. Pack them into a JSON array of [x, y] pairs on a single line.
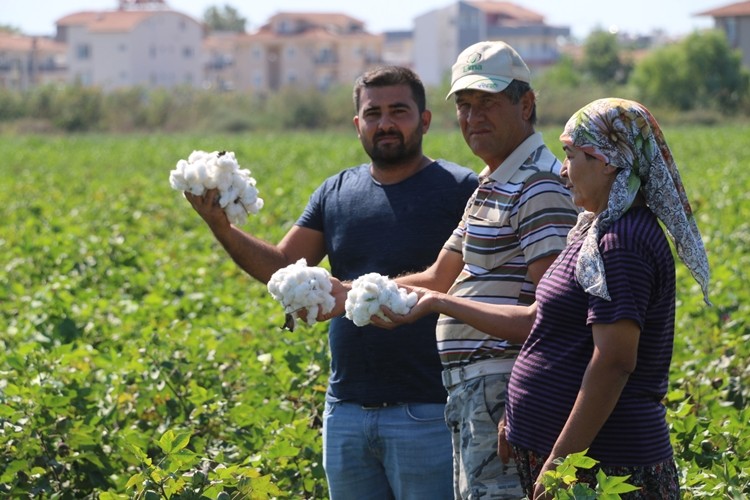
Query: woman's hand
[[503, 447], [423, 307], [539, 492]]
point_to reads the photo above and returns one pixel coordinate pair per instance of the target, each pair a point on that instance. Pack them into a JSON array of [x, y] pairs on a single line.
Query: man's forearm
[[256, 257]]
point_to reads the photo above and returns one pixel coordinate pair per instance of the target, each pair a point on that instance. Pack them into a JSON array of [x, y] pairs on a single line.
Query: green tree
[[700, 71], [8, 28], [602, 59], [226, 18]]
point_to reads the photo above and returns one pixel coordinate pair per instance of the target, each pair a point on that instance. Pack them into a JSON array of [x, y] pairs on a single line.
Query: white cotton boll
[[235, 213], [238, 195], [196, 155], [371, 291], [211, 181], [191, 174], [227, 161], [228, 196], [250, 201], [224, 180], [177, 180], [201, 173], [298, 286]]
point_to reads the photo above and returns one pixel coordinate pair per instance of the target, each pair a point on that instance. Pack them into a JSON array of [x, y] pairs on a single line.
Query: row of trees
[[700, 71], [699, 78]]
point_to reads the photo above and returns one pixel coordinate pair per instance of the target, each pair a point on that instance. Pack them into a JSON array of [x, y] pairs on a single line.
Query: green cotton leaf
[[18, 363], [613, 485], [135, 480], [11, 469], [198, 394], [138, 452], [93, 458], [263, 488], [582, 492], [581, 460], [6, 411], [242, 415], [171, 442], [282, 449], [108, 495], [78, 438]]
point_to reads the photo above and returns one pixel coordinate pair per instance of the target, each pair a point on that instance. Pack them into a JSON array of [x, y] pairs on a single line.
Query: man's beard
[[393, 155]]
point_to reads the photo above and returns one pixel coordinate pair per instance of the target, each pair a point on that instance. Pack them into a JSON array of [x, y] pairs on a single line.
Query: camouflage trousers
[[472, 413]]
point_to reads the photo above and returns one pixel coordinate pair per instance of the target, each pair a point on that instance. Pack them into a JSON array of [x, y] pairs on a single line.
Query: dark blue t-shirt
[[392, 230]]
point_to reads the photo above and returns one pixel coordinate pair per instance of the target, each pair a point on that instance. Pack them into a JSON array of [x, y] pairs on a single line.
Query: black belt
[[377, 406]]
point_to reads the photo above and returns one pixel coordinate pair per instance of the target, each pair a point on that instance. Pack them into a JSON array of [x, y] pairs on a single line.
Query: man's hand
[[207, 206], [339, 289]]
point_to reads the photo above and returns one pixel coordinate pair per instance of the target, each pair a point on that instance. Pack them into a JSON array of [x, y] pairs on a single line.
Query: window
[[83, 51], [187, 52], [730, 25]]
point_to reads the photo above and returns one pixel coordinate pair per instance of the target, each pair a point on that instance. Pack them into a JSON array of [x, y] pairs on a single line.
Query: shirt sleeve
[[630, 279], [545, 215], [312, 216]]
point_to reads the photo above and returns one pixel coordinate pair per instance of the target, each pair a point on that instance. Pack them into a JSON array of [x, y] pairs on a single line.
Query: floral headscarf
[[625, 135]]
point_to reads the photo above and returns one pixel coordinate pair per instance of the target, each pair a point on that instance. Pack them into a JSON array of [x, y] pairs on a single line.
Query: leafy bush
[[138, 361], [699, 72]]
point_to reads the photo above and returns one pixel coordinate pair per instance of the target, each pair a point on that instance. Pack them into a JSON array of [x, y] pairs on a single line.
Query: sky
[[675, 17]]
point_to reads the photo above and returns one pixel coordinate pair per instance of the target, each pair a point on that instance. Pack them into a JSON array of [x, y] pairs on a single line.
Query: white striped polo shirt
[[521, 212]]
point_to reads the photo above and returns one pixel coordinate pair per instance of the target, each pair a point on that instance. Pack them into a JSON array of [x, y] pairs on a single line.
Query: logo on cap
[[474, 58]]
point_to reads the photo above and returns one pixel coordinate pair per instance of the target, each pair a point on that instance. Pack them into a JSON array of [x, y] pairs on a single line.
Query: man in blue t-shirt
[[384, 433]]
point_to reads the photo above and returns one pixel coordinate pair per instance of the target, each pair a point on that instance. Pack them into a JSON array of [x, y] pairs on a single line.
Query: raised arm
[[257, 257]]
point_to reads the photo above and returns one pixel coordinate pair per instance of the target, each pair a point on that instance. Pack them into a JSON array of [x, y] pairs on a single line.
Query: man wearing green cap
[[514, 226]]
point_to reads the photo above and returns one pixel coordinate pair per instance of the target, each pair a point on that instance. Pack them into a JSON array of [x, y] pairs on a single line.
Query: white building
[[441, 34], [139, 45]]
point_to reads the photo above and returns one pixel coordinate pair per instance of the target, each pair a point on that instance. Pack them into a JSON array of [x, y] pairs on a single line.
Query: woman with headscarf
[[594, 367]]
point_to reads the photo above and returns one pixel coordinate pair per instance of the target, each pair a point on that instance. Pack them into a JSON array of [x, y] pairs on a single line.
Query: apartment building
[[305, 50], [441, 34], [29, 61], [140, 44], [734, 21]]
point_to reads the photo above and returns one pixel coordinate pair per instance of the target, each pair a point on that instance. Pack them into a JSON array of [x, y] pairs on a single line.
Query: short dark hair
[[515, 91], [387, 76]]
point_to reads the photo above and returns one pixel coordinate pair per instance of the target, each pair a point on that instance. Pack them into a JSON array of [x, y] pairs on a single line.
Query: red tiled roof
[[739, 9], [508, 9], [110, 20], [315, 34], [11, 42], [320, 18]]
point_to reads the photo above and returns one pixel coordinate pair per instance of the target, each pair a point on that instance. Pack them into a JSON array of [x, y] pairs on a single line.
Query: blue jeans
[[401, 452]]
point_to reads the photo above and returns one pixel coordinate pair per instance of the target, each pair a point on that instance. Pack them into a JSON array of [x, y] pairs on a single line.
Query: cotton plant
[[371, 291], [299, 286], [238, 195]]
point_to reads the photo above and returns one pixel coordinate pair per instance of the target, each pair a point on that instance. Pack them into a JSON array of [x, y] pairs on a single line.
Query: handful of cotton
[[299, 286], [372, 290], [238, 195]]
